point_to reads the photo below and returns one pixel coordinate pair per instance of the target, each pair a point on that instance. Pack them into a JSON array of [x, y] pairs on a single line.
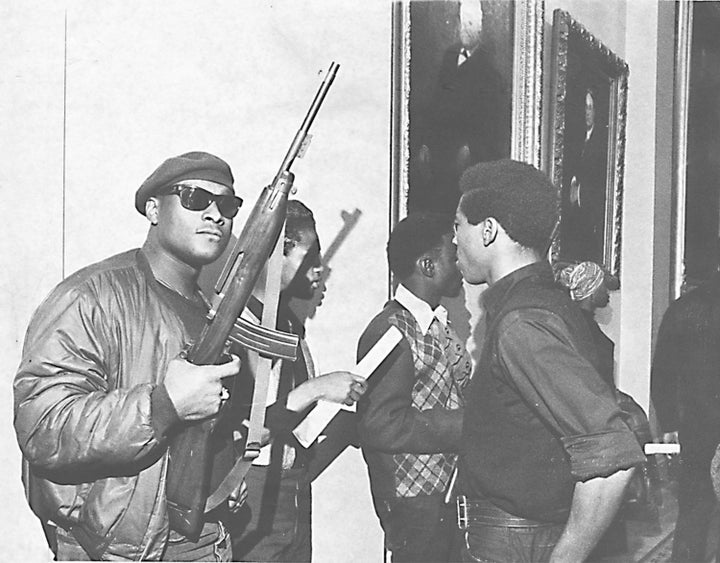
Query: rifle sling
[[262, 383], [228, 485]]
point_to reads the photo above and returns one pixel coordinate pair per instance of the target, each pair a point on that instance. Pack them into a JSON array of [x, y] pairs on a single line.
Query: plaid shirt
[[442, 368]]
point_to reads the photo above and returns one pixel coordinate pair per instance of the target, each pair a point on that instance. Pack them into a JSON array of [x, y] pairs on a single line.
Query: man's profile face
[[301, 270], [470, 249], [589, 111], [447, 273], [196, 238], [309, 276]]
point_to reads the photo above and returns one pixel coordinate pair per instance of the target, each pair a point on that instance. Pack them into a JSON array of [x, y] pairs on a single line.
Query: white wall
[[31, 229], [637, 258], [145, 82]]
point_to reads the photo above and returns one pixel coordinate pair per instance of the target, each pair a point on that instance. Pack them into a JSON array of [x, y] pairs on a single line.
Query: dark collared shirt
[[538, 416]]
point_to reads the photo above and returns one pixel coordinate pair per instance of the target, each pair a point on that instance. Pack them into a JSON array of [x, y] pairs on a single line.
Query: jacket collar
[[495, 295]]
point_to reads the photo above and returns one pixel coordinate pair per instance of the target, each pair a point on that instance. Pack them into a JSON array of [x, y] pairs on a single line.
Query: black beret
[[188, 166]]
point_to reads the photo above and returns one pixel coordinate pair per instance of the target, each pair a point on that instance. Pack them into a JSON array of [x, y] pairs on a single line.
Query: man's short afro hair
[[417, 234], [522, 199]]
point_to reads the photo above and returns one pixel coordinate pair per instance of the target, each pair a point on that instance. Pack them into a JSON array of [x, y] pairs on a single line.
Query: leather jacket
[[90, 415]]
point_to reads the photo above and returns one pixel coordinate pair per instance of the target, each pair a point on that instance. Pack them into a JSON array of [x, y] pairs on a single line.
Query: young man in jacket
[[102, 384], [275, 522], [410, 418], [545, 453]]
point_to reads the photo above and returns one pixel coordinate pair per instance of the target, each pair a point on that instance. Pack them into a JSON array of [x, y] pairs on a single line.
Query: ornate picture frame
[[588, 109], [512, 40]]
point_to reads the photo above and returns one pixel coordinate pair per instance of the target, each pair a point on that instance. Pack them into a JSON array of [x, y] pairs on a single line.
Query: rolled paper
[[308, 430]]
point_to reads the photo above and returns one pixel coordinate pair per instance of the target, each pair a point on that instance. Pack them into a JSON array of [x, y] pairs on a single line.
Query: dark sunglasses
[[195, 198]]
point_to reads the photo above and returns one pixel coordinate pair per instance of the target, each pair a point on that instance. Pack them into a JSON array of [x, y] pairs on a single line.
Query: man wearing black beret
[[102, 384]]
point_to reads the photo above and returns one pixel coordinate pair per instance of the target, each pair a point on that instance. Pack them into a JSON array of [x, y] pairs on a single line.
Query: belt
[[485, 513]]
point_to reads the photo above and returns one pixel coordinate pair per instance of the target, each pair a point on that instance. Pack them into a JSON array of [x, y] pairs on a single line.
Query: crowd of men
[[524, 455]]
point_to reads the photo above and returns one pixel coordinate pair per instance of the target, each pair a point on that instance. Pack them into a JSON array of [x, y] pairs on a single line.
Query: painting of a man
[[460, 94], [584, 193]]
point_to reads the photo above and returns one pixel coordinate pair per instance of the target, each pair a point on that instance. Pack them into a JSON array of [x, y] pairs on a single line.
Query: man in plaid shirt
[[410, 419]]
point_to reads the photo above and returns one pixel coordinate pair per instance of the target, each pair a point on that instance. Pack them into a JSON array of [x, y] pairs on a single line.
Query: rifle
[[190, 455]]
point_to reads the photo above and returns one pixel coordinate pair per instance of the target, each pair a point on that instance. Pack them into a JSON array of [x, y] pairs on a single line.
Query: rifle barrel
[[309, 118], [190, 456]]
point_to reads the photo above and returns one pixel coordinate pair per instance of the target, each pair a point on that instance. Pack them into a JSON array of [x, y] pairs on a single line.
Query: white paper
[[319, 417]]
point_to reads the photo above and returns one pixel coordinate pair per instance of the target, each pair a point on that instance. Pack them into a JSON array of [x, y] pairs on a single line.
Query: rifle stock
[[190, 456]]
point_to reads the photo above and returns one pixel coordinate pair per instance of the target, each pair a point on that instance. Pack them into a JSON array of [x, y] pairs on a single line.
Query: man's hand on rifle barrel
[[336, 386], [197, 391]]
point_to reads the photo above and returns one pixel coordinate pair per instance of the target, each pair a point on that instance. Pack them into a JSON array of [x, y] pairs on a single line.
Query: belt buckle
[[462, 517]]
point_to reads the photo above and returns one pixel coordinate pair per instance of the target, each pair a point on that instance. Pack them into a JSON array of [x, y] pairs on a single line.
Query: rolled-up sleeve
[[567, 393]]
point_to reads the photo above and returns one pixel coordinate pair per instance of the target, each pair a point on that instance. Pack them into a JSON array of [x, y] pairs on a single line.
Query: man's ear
[[152, 210], [489, 230], [427, 266]]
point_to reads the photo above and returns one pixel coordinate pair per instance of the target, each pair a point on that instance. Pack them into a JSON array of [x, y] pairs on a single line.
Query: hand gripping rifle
[[190, 455]]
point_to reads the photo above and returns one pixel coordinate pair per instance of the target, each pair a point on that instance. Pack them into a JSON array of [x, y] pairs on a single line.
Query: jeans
[[417, 528], [513, 545], [491, 535]]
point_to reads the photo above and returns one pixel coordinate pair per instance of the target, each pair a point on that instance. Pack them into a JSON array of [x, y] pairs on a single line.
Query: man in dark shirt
[[686, 394], [545, 454]]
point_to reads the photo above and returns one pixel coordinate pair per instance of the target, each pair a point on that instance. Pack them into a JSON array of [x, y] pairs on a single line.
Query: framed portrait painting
[[467, 82], [588, 105]]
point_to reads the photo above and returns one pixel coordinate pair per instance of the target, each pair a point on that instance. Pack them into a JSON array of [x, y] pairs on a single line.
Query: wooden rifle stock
[[190, 455]]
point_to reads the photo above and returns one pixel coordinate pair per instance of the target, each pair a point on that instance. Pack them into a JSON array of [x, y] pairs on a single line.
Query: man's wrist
[[163, 415], [302, 396]]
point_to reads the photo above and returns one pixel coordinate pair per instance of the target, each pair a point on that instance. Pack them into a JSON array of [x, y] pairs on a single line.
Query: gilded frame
[[525, 96], [585, 73]]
